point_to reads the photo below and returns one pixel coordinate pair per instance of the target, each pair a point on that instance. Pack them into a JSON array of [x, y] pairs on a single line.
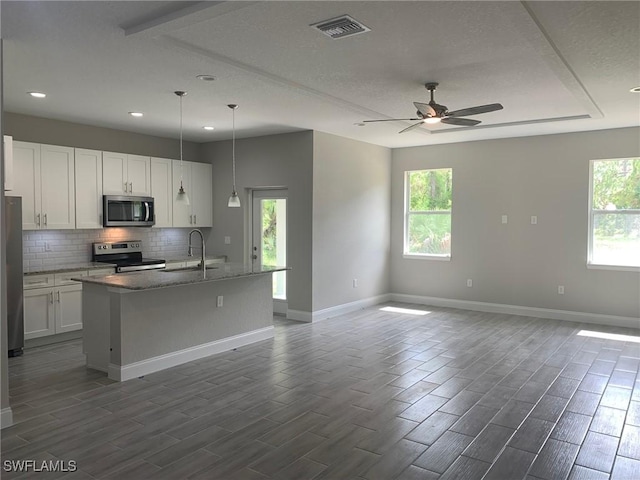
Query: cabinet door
[[57, 175], [38, 313], [26, 182], [162, 191], [202, 200], [182, 216], [139, 175], [88, 188], [114, 173], [68, 303]]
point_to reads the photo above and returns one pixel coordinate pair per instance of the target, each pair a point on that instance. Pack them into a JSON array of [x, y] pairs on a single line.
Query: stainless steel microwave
[[127, 211]]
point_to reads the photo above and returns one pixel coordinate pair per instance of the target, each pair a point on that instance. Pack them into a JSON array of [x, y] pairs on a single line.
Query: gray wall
[[56, 132], [276, 160], [517, 263], [351, 220]]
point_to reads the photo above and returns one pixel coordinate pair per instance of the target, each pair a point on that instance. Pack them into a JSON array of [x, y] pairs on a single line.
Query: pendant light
[[234, 200], [181, 198]]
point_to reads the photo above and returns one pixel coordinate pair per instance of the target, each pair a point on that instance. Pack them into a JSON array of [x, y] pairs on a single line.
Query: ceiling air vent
[[341, 27]]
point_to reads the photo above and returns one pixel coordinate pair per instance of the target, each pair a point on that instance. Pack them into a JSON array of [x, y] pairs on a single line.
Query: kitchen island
[[140, 323]]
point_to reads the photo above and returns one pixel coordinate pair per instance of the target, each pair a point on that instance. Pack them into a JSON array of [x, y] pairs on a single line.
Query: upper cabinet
[[162, 191], [197, 182], [124, 174], [88, 188], [44, 178]]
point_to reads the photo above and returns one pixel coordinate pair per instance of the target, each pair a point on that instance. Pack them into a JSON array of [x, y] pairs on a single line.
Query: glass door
[[269, 238]]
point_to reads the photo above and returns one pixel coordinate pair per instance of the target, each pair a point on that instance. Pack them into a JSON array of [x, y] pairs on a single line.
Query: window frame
[[591, 217], [408, 213]]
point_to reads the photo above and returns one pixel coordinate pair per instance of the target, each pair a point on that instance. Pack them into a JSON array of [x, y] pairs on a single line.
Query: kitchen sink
[[191, 269]]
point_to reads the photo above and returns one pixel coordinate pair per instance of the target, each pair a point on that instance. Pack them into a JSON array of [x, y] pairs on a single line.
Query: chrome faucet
[[190, 252]]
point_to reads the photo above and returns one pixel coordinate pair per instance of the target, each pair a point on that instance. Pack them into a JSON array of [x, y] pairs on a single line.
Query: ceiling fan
[[434, 113]]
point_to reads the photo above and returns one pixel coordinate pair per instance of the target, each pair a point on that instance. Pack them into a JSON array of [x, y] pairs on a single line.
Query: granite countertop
[[161, 279], [66, 267]]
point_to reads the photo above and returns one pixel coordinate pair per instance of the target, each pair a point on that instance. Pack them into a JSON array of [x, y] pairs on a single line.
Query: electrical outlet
[[220, 300], [227, 240], [355, 283], [504, 219], [534, 220], [47, 247], [469, 282], [560, 289]]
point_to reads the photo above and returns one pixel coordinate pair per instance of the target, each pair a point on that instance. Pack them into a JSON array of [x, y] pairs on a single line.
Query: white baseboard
[[6, 417], [299, 315], [567, 315], [162, 362], [280, 307], [348, 307]]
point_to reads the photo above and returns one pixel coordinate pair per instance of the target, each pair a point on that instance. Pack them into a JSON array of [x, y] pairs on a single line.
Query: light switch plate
[[504, 219], [227, 240], [534, 220]]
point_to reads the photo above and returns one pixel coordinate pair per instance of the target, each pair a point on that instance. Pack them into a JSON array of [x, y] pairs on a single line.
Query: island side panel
[[96, 326], [156, 324]]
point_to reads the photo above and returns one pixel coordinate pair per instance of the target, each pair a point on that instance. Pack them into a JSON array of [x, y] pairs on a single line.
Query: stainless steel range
[[126, 255]]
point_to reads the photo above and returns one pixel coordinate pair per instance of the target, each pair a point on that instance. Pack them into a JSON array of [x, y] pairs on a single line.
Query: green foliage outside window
[[429, 212], [615, 227]]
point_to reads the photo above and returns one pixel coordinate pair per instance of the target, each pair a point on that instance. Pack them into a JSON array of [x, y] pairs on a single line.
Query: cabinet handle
[[51, 298], [38, 220], [125, 187], [190, 219], [58, 296], [195, 221], [45, 219], [130, 187]]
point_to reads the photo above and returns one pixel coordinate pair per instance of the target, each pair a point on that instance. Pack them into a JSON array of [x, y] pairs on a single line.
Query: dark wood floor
[[372, 395]]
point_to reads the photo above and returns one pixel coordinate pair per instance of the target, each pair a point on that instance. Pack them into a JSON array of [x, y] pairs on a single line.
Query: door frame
[[280, 306]]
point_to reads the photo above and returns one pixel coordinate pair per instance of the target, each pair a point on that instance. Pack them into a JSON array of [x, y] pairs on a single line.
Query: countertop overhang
[[154, 279]]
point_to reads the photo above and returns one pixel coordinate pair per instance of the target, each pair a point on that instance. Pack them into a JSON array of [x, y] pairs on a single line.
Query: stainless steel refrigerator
[[15, 311]]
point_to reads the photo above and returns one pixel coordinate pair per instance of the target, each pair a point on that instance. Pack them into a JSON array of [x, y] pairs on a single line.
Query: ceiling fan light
[[432, 120]]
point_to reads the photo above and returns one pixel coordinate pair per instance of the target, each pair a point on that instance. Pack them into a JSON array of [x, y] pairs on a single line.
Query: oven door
[[125, 211]]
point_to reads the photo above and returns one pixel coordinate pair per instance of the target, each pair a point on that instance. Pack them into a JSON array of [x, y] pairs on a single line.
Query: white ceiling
[[555, 66]]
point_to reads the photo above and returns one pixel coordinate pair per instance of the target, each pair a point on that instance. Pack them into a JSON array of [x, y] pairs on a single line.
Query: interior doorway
[[269, 238]]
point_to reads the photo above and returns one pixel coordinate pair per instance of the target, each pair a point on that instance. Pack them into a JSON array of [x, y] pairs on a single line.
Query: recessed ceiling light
[[136, 114], [38, 94], [208, 128], [206, 78], [635, 90]]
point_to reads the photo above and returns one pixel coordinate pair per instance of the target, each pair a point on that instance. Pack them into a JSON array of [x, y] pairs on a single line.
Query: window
[[427, 230], [614, 226]]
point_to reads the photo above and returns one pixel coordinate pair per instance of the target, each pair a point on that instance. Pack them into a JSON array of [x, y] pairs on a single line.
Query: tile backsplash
[[53, 247]]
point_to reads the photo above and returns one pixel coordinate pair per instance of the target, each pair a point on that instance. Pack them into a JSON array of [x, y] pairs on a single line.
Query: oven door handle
[[135, 268], [147, 211]]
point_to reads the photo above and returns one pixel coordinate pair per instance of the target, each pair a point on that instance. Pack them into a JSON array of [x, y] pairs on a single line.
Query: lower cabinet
[[53, 303]]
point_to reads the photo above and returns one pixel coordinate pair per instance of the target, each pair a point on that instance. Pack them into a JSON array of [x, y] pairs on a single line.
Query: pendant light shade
[[234, 200], [181, 198]]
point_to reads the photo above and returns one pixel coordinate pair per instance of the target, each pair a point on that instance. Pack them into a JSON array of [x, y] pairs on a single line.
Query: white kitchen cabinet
[[7, 145], [124, 174], [197, 181], [162, 191], [53, 303], [39, 313], [44, 178], [88, 178], [202, 199]]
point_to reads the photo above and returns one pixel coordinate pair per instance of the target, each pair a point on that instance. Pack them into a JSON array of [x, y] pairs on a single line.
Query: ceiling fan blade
[[392, 120], [464, 122], [465, 112], [411, 127], [425, 109]]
